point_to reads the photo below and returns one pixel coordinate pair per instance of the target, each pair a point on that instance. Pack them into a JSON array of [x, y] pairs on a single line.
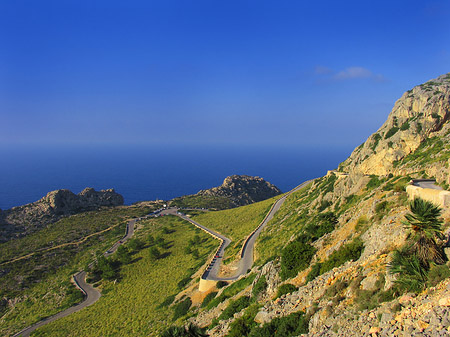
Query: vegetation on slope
[[236, 223], [134, 302], [38, 284], [202, 201]]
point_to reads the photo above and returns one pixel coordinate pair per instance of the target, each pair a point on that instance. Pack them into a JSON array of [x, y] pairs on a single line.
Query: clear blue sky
[[224, 72]]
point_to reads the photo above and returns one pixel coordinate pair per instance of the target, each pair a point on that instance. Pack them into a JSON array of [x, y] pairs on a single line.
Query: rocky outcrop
[[21, 220], [243, 190], [419, 114]]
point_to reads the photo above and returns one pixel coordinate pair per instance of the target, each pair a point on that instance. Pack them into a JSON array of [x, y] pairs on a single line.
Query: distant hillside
[[236, 190], [22, 220]]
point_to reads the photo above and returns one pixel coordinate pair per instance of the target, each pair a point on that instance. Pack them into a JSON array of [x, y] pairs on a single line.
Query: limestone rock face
[[56, 204], [243, 190], [418, 115]]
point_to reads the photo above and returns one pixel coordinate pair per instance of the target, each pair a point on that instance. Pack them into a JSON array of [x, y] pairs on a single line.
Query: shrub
[[437, 273], [221, 284], [376, 139], [208, 298], [154, 253], [392, 131], [181, 308], [351, 251], [259, 286], [291, 325], [411, 275], [314, 272], [168, 301], [184, 282], [234, 307], [135, 245], [405, 126], [286, 288], [243, 325], [373, 182], [295, 257]]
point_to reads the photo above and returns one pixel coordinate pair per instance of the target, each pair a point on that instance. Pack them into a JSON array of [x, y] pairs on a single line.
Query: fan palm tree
[[411, 273], [426, 228]]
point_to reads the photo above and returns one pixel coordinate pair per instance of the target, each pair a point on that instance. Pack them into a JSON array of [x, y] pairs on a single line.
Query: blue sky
[[219, 72]]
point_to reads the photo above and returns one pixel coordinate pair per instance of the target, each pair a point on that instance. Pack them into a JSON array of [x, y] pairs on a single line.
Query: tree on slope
[[426, 228]]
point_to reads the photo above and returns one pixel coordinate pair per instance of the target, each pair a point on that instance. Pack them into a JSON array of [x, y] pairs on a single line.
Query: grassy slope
[[236, 223], [130, 307], [40, 284]]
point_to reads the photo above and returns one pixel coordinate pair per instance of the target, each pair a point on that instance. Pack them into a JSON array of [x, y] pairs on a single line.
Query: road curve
[[91, 294], [246, 261]]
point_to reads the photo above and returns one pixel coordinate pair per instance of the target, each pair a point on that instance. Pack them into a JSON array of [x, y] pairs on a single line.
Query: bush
[[184, 282], [135, 245], [154, 253], [295, 257], [259, 286], [221, 284], [437, 273], [234, 307], [287, 326], [314, 272], [374, 182], [243, 325], [182, 308], [168, 301], [351, 251], [392, 131], [208, 298], [323, 224], [411, 275], [286, 288], [405, 126]]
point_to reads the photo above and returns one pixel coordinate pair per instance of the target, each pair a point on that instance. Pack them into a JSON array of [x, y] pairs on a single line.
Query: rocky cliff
[[243, 190], [21, 220], [421, 113], [346, 289]]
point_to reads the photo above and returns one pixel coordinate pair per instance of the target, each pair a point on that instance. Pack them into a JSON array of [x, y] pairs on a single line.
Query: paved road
[[91, 294], [427, 184], [246, 260]]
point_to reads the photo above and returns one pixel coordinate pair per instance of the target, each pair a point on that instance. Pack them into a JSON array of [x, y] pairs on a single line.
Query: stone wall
[[438, 197]]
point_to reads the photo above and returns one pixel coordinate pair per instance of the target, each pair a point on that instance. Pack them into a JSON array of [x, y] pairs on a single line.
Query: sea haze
[[153, 172]]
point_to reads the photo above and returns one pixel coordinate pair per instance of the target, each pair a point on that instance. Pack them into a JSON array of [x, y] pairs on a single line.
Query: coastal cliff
[[23, 220]]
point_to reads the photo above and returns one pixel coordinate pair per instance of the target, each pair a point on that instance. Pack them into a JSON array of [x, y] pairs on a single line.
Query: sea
[[157, 172]]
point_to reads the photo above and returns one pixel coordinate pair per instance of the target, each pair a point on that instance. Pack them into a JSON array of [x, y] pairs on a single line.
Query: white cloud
[[350, 73]]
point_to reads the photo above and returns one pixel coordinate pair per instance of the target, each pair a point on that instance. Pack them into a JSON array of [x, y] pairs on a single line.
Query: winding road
[[245, 263], [91, 294]]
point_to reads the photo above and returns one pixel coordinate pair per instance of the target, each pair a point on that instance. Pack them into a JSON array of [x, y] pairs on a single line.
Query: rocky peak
[[243, 189], [52, 207], [418, 115]]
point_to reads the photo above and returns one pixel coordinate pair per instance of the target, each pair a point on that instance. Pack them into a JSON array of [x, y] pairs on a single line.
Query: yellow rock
[[374, 330], [445, 301]]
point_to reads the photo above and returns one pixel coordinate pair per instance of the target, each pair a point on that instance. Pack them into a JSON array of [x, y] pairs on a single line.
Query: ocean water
[[153, 172]]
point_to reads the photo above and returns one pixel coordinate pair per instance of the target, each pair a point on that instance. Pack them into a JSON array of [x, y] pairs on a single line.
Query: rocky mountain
[[24, 219], [344, 230], [421, 114], [243, 190], [236, 190]]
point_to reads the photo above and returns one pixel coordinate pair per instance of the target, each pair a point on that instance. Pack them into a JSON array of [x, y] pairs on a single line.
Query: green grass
[[231, 290], [285, 223], [132, 307], [39, 284], [202, 201], [236, 223]]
